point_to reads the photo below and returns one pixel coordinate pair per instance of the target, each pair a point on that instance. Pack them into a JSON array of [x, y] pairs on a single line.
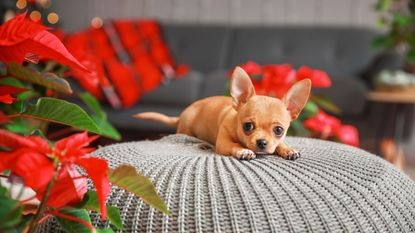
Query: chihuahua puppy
[[244, 125]]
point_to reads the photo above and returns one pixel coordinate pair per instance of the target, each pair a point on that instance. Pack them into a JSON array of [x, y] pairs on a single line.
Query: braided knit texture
[[331, 188]]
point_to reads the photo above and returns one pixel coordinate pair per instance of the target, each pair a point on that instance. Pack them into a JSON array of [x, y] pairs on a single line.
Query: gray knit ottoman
[[331, 188]]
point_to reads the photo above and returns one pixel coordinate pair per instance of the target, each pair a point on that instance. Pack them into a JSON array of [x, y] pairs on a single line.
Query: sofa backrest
[[204, 48], [339, 51]]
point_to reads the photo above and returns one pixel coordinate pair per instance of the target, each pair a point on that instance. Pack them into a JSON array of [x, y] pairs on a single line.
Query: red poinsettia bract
[[32, 159], [328, 126], [7, 91], [276, 79], [22, 39], [318, 78]]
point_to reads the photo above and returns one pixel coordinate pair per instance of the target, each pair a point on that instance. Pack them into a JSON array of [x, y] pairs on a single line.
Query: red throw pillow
[[127, 59]]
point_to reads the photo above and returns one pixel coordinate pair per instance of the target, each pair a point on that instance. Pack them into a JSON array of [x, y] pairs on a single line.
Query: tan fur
[[155, 116], [219, 120]]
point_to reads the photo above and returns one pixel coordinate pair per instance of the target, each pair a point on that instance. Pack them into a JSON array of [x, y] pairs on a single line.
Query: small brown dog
[[245, 125]]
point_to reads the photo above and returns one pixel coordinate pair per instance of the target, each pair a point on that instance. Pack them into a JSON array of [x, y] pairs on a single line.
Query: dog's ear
[[296, 97], [241, 87]]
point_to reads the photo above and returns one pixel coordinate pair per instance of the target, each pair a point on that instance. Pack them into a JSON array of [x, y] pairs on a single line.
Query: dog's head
[[262, 121]]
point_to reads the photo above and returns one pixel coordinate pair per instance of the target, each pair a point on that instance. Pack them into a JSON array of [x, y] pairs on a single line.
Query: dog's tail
[[155, 116]]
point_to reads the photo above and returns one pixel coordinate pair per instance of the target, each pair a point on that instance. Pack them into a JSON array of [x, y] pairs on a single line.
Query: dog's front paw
[[293, 155], [245, 154], [288, 153]]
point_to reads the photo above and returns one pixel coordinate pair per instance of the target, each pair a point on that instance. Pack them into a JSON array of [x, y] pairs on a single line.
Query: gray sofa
[[345, 53]]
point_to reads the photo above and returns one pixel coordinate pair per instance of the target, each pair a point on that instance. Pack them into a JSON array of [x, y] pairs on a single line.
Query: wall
[[357, 13]]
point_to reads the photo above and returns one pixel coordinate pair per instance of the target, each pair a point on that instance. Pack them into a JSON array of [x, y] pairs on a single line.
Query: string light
[[53, 18], [96, 22], [45, 3], [35, 16], [21, 4]]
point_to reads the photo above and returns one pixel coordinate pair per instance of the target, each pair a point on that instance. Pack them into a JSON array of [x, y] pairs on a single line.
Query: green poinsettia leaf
[[49, 80], [93, 104], [127, 177], [104, 230], [21, 126], [71, 226], [99, 116], [297, 128], [309, 110], [62, 112], [91, 202], [325, 104], [12, 82], [10, 212], [106, 128]]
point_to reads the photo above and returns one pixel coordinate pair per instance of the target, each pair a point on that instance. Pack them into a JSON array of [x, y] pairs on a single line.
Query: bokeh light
[[53, 18], [96, 22], [35, 16], [45, 3], [21, 4]]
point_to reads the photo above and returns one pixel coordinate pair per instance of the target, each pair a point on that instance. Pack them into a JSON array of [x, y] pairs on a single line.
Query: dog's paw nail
[[246, 154]]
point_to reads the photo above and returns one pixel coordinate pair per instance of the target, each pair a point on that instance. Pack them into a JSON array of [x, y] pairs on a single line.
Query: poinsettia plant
[[41, 178], [275, 80]]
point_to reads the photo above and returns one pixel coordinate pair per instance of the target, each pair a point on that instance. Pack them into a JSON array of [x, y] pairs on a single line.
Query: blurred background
[[162, 55], [356, 13]]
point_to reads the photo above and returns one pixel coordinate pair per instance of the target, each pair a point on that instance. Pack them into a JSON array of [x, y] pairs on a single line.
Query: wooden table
[[392, 97]]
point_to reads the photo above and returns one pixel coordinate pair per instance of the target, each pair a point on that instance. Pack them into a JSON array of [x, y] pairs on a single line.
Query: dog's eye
[[278, 131], [248, 126]]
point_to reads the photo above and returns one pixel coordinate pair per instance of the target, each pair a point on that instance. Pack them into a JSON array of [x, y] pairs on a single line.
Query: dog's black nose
[[261, 144]]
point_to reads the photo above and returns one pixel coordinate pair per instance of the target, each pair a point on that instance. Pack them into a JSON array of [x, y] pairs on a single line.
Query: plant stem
[[42, 205], [19, 195]]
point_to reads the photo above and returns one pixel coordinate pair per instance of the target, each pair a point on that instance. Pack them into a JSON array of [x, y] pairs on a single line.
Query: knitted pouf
[[331, 188]]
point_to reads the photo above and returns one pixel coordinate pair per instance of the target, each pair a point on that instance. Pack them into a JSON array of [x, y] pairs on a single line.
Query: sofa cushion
[[339, 51], [215, 83], [203, 48], [124, 119], [180, 92]]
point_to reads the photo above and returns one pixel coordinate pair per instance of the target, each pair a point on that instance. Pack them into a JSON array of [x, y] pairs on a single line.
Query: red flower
[[277, 79], [318, 78], [73, 150], [23, 39], [4, 119], [35, 168], [348, 134], [13, 141], [29, 158], [31, 162], [6, 91], [69, 188], [331, 127], [324, 124], [252, 68]]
